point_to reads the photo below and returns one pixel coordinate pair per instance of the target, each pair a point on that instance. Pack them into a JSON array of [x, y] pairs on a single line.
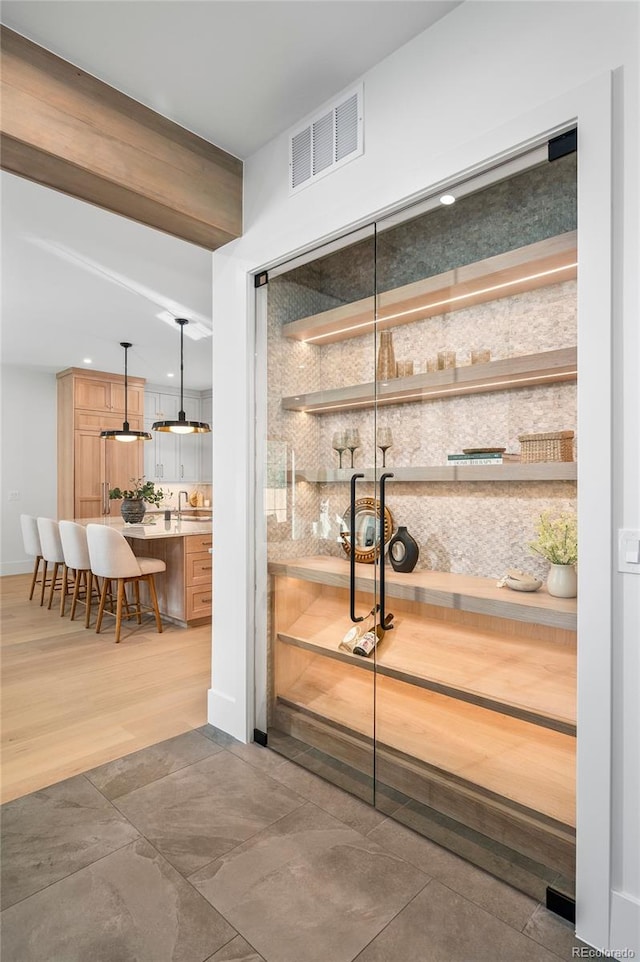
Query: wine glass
[[339, 444], [384, 440], [352, 438]]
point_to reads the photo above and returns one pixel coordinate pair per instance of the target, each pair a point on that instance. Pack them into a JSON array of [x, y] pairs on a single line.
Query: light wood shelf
[[532, 679], [537, 265], [440, 588], [547, 367], [531, 766], [509, 471]]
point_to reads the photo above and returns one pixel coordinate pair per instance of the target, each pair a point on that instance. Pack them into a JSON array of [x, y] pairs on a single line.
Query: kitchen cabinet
[[185, 590], [171, 458], [88, 466], [206, 440]]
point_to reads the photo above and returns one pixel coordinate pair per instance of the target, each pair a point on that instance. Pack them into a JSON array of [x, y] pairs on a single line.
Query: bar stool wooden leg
[[154, 601], [54, 578], [119, 605], [76, 590], [65, 588], [103, 597], [35, 575], [136, 589], [44, 582], [88, 581]]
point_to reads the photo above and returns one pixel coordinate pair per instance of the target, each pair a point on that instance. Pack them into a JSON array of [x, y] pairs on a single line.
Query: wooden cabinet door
[[89, 471], [122, 463], [135, 400], [92, 395]]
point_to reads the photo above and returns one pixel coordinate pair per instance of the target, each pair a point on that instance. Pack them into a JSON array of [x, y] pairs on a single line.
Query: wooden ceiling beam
[[63, 128]]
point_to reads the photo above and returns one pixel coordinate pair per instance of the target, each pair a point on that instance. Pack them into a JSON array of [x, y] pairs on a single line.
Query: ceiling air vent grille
[[330, 139]]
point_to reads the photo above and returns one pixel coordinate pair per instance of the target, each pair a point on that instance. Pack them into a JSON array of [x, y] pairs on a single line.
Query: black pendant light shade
[[181, 426], [124, 433]]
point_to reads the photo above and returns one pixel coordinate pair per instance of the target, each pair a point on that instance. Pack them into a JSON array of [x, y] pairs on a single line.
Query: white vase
[[562, 581]]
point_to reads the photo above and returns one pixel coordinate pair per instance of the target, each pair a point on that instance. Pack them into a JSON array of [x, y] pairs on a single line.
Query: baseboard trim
[[625, 924], [16, 568]]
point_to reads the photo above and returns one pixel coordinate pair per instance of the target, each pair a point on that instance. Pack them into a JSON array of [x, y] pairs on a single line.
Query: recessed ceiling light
[[87, 360], [447, 199], [169, 373]]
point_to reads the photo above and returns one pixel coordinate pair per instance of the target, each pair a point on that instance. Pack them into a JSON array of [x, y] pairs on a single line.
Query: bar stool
[[52, 553], [31, 542], [76, 555], [112, 559]]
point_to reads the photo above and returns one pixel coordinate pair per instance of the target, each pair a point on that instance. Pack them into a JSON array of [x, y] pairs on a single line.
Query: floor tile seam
[[212, 737], [244, 841], [80, 868], [385, 850], [535, 908], [153, 781], [396, 914], [483, 908]]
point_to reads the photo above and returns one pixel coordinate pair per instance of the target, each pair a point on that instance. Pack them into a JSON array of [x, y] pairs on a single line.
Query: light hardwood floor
[[72, 700]]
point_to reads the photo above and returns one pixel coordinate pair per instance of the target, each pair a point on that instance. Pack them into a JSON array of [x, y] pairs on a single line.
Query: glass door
[[475, 683], [321, 511], [420, 421]]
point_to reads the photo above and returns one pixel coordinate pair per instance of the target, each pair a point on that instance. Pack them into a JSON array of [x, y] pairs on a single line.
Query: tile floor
[[201, 849]]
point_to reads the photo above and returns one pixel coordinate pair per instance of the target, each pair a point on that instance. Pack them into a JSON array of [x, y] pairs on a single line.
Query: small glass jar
[[404, 368], [446, 359], [480, 356]]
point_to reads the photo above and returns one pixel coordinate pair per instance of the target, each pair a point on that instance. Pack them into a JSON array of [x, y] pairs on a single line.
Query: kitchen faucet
[[180, 493]]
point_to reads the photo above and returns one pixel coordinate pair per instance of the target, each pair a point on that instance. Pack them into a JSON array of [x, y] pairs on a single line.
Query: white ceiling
[[77, 280]]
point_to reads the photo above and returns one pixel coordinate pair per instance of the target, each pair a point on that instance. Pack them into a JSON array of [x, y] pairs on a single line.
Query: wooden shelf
[[548, 367], [531, 766], [440, 588], [509, 471], [536, 265], [532, 679]]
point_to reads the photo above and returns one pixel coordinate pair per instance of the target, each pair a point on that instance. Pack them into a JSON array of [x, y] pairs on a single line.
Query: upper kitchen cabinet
[[206, 440], [88, 466], [171, 457], [98, 392]]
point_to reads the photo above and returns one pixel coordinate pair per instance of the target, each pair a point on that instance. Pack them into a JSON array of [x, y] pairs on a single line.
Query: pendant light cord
[[181, 415]]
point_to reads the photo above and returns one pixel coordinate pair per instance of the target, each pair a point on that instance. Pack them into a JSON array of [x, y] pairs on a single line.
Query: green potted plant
[[133, 500], [557, 542]]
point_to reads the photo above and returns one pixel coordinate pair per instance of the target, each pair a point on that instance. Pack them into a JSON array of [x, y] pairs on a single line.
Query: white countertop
[[153, 527]]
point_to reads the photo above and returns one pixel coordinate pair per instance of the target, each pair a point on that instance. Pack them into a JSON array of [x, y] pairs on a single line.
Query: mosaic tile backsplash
[[478, 528]]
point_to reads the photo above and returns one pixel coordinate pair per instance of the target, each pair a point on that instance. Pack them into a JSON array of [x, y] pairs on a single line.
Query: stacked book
[[477, 457]]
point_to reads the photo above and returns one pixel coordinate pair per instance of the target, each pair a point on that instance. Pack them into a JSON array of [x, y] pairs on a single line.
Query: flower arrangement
[[557, 538], [141, 490]]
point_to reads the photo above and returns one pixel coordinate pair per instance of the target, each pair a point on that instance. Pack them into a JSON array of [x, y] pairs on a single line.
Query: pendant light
[[181, 426], [124, 433]]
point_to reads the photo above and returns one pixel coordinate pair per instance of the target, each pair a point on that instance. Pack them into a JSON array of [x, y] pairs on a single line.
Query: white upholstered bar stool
[[31, 542], [76, 555], [112, 559], [52, 553]]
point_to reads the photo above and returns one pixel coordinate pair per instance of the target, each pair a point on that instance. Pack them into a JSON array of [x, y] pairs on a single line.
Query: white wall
[[481, 81], [29, 426]]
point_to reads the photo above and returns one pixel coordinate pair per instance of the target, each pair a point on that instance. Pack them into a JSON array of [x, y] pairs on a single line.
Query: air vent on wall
[[330, 139]]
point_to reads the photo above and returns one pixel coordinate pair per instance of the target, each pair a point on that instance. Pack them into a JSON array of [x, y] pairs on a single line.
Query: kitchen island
[[185, 590]]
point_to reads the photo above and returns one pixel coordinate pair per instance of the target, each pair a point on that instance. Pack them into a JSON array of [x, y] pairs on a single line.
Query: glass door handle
[[384, 617], [352, 552]]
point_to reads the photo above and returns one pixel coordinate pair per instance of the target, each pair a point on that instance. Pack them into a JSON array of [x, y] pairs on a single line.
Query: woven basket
[[554, 446]]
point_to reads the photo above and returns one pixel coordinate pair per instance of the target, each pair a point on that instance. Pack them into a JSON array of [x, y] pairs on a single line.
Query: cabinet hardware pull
[[384, 618], [206, 601], [205, 567], [352, 552]]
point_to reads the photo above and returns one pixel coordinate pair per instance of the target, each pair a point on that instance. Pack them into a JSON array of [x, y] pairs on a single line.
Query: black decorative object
[[132, 510], [403, 550]]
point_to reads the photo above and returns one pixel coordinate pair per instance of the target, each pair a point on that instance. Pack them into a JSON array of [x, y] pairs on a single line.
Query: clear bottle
[[386, 367]]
